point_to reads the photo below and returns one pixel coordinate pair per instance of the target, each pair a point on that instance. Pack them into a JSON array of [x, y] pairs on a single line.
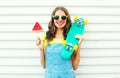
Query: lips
[[60, 23]]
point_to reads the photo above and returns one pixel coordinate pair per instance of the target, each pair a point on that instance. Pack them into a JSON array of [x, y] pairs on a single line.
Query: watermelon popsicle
[[37, 28]]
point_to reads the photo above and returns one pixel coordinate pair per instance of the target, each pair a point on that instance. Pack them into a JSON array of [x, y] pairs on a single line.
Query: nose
[[59, 18]]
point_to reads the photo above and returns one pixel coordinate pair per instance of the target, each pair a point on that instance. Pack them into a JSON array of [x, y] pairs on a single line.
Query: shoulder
[[44, 40], [43, 37]]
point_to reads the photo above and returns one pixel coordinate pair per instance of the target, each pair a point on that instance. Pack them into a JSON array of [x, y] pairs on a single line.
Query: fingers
[[80, 37], [38, 41], [79, 41]]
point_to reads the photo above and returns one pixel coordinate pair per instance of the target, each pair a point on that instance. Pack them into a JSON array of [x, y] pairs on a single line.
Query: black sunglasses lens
[[63, 17], [56, 17]]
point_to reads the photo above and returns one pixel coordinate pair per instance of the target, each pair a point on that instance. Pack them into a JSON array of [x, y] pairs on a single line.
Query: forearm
[[42, 58], [40, 45], [76, 56], [76, 60]]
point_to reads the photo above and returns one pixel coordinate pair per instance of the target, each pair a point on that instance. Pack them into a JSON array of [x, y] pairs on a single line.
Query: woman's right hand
[[38, 41]]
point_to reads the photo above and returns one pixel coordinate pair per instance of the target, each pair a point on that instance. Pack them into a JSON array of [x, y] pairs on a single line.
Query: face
[[60, 19]]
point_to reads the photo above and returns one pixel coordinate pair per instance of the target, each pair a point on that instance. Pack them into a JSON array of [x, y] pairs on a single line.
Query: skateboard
[[71, 43]]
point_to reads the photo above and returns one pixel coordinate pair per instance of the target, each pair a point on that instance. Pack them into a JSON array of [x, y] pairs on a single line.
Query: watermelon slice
[[37, 27]]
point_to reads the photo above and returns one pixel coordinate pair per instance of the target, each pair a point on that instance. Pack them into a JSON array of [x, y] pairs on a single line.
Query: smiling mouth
[[60, 23]]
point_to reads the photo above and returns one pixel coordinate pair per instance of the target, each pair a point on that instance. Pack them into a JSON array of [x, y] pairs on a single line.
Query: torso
[[56, 65]]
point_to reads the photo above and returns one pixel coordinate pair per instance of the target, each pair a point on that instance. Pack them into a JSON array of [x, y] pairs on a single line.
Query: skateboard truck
[[79, 23]]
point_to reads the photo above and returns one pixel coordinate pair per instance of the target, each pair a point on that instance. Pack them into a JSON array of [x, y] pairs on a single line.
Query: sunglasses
[[63, 17]]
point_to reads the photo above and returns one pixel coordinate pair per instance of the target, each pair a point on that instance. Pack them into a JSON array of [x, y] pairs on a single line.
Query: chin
[[60, 26]]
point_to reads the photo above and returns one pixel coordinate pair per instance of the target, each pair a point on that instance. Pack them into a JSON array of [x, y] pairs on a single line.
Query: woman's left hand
[[80, 37]]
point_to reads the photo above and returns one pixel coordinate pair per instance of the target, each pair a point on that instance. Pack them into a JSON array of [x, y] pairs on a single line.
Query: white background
[[100, 51]]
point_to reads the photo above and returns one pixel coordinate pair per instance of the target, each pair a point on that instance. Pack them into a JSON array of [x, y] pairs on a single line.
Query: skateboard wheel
[[86, 22], [75, 18], [75, 47], [64, 43]]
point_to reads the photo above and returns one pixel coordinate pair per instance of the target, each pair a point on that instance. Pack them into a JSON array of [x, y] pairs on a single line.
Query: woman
[[51, 47]]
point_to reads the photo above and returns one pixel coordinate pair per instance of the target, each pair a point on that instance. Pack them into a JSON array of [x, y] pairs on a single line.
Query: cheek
[[55, 22], [65, 22]]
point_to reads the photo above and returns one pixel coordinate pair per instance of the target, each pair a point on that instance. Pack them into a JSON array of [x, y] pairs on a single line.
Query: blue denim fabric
[[56, 66]]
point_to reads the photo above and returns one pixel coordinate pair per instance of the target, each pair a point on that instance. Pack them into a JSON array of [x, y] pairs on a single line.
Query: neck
[[59, 33]]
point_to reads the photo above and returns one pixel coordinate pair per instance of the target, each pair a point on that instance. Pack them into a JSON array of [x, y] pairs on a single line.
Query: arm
[[40, 45], [75, 60], [76, 55]]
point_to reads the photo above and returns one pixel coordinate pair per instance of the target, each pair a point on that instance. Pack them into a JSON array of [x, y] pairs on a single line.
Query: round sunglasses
[[57, 17]]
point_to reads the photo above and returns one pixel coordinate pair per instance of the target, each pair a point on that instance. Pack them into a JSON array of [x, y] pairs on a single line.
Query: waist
[[59, 71]]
